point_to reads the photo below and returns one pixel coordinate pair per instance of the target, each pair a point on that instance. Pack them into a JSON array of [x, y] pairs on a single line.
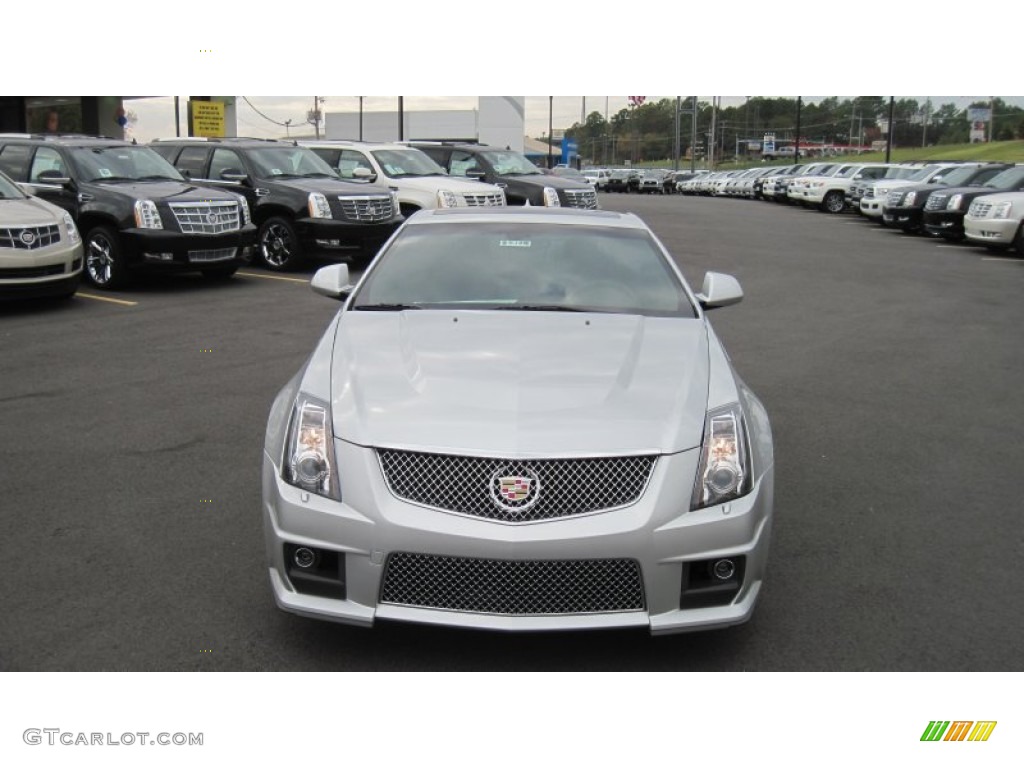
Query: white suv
[[411, 174], [997, 221]]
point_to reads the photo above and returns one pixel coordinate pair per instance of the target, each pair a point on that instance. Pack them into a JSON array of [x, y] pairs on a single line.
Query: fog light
[[159, 256], [724, 569], [305, 557]]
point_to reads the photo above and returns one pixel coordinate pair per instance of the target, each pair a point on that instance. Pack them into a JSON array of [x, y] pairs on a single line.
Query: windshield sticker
[[514, 243], [275, 171], [105, 173]]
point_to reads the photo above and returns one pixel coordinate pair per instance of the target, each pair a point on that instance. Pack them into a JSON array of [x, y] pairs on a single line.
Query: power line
[[272, 120]]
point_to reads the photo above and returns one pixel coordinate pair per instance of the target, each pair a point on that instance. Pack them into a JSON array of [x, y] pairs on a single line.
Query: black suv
[[523, 182], [132, 208], [298, 201], [905, 206]]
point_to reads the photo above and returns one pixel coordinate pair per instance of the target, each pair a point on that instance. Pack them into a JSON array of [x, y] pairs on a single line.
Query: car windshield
[[524, 266], [405, 163], [922, 174], [289, 161], [122, 163], [901, 172], [1011, 178], [509, 163], [569, 173], [959, 177], [9, 190], [848, 172]]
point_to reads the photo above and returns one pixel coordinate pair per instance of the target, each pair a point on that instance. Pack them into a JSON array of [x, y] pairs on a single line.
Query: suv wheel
[[104, 264], [279, 247], [834, 202]]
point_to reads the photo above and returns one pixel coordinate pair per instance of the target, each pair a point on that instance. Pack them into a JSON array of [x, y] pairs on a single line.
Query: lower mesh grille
[[513, 587]]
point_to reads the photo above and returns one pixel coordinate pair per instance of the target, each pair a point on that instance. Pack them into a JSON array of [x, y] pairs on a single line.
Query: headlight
[[1002, 210], [447, 199], [395, 207], [318, 206], [244, 205], [551, 198], [147, 216], [69, 224], [954, 203], [309, 450], [910, 198], [724, 469]]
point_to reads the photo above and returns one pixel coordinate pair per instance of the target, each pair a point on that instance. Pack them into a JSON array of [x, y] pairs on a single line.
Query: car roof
[[243, 142], [68, 139], [529, 214]]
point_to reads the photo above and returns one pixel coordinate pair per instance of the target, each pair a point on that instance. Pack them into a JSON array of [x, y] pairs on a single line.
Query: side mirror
[[233, 174], [332, 281], [363, 174], [476, 173], [719, 291], [185, 173], [57, 178]]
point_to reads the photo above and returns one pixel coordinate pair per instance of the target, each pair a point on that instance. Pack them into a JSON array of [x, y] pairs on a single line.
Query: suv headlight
[[551, 198], [447, 199], [147, 216], [953, 204], [309, 449], [1002, 210], [318, 206], [69, 224], [909, 198], [724, 469], [243, 204]]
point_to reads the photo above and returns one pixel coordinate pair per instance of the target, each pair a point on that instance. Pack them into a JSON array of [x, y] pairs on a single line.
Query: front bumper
[[657, 532], [872, 206], [905, 218], [997, 231], [166, 248], [51, 271], [320, 233], [944, 223]]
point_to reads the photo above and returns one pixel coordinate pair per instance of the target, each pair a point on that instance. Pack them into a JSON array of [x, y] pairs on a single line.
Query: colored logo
[[958, 730], [514, 489]]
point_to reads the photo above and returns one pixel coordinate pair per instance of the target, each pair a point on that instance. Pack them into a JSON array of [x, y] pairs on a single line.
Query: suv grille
[[206, 218], [369, 209], [485, 199], [29, 238], [894, 198], [488, 488], [936, 202], [979, 209], [512, 587], [587, 198]]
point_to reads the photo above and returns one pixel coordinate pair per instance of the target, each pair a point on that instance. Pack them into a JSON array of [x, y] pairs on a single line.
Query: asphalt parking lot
[[131, 433]]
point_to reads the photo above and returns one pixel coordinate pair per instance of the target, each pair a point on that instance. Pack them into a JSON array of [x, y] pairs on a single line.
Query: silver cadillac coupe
[[520, 419]]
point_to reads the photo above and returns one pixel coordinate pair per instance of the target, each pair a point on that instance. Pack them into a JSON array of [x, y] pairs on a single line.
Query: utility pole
[[693, 137], [551, 109], [991, 118], [796, 149], [711, 138], [889, 133], [675, 146], [361, 118], [401, 118]]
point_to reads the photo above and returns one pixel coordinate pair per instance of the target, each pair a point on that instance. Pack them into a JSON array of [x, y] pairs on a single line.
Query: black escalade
[[298, 201], [904, 207], [524, 183], [945, 209], [132, 208]]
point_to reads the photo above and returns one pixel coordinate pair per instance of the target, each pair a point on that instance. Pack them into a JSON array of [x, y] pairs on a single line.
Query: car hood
[[28, 212], [327, 186], [519, 383], [169, 191], [541, 180], [451, 183]]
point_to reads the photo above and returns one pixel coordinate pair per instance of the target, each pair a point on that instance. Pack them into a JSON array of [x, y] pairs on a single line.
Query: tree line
[[647, 133]]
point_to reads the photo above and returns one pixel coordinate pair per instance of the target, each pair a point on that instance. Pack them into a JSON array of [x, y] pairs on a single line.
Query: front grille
[[485, 199], [549, 488], [936, 202], [367, 209], [980, 210], [587, 198], [16, 273], [29, 238], [206, 218], [869, 193], [512, 587], [211, 255], [894, 198]]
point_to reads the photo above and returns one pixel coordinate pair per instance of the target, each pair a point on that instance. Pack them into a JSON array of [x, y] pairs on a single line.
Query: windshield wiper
[[113, 178], [541, 308], [157, 177], [319, 175], [382, 307]]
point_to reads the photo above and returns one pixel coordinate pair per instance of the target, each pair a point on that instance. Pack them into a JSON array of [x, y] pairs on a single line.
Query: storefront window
[[54, 114]]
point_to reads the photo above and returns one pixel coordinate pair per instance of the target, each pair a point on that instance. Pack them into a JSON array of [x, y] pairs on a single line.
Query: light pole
[[361, 117], [551, 108]]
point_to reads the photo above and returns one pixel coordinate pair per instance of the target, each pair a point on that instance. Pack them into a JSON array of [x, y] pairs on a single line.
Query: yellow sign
[[207, 118]]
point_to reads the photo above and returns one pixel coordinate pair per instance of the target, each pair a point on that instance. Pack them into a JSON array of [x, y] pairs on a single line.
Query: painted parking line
[[106, 298], [274, 277], [1002, 258]]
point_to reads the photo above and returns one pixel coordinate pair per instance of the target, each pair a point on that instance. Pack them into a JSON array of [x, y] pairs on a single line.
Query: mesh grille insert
[[512, 587]]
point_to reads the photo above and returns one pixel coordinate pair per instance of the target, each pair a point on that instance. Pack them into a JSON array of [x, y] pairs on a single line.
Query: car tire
[[1018, 241], [217, 274], [104, 262], [278, 246]]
